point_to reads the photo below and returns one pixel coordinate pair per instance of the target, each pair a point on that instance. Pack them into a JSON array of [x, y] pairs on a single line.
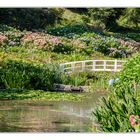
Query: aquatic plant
[[15, 94]]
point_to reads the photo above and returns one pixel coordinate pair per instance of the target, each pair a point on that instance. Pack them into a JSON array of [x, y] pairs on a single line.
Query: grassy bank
[[93, 82]]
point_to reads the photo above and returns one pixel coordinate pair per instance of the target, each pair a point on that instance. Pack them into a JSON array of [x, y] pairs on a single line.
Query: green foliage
[[131, 71], [64, 49], [96, 80], [79, 79], [111, 18], [107, 45], [131, 17], [39, 95], [41, 18], [108, 16], [69, 31], [114, 111], [20, 75], [34, 18], [25, 56]]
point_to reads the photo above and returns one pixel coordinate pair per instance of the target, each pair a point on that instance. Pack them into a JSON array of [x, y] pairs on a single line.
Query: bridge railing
[[93, 65]]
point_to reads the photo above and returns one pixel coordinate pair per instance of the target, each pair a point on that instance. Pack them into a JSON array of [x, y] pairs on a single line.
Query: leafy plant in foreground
[[113, 112]]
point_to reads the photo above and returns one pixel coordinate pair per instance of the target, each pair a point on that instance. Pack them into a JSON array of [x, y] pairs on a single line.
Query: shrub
[[34, 18], [63, 48], [69, 31], [107, 16], [50, 43], [106, 45], [114, 111], [20, 75], [75, 79], [80, 79]]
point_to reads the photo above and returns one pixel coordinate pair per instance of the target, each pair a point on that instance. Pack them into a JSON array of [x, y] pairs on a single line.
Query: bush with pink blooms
[[46, 42], [3, 39]]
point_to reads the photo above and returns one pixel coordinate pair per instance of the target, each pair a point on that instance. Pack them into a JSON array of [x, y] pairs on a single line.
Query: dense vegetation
[[114, 112], [113, 18], [30, 19], [32, 47], [39, 95], [20, 75]]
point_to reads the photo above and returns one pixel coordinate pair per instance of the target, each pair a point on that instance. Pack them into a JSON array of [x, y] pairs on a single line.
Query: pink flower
[[54, 40], [134, 120], [3, 38], [81, 45]]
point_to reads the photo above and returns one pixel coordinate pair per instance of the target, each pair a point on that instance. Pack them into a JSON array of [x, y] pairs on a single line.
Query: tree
[[107, 16], [131, 17], [30, 18]]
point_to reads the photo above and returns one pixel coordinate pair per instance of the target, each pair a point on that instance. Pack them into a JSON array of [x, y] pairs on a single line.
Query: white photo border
[[69, 3]]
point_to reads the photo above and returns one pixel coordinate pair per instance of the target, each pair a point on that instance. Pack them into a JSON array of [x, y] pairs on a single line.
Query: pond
[[47, 116]]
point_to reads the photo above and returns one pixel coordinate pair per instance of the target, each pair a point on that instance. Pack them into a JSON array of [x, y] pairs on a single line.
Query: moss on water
[[39, 94]]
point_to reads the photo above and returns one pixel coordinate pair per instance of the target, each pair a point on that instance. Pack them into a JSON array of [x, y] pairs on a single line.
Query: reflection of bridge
[[93, 65]]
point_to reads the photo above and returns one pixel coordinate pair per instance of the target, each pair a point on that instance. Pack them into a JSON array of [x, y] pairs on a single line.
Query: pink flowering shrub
[[3, 39], [132, 45], [40, 40], [11, 38], [51, 43]]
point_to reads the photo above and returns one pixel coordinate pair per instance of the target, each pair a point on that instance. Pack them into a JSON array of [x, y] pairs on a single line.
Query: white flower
[[111, 82]]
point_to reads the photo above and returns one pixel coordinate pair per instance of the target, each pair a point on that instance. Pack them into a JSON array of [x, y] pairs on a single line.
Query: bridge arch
[[92, 65]]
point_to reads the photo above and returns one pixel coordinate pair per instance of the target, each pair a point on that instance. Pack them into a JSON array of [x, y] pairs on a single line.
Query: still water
[[47, 116]]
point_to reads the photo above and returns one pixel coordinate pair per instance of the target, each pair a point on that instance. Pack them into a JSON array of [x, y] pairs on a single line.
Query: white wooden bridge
[[93, 65]]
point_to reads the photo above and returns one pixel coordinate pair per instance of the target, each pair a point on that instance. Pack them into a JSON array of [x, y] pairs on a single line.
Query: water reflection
[[44, 116]]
